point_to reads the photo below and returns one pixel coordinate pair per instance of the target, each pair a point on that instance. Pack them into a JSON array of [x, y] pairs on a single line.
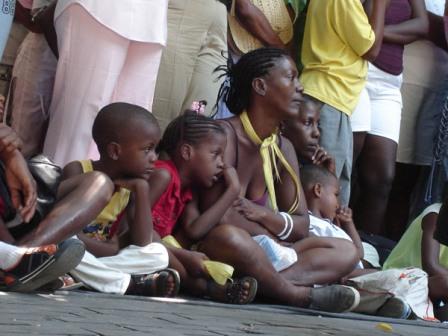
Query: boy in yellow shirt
[[339, 40]]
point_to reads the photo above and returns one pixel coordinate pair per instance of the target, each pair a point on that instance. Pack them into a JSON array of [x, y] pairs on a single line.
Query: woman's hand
[[250, 210], [9, 140], [322, 158], [21, 184]]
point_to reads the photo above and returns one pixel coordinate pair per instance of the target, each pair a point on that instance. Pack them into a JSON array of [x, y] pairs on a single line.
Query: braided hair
[[191, 128], [236, 90]]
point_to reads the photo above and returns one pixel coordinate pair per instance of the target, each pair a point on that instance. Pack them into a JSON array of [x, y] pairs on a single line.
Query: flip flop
[[234, 290], [43, 265], [155, 284]]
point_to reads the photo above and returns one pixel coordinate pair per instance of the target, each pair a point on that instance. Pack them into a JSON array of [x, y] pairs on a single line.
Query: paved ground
[[79, 313]]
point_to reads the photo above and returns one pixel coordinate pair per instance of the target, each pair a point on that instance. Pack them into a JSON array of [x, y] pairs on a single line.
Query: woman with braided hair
[[263, 234]]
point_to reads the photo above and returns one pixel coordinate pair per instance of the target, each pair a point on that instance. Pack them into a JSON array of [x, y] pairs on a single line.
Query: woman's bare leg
[[321, 261], [236, 247]]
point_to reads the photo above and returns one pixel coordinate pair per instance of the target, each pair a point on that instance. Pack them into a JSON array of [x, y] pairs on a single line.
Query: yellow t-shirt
[[408, 252], [100, 228], [337, 34]]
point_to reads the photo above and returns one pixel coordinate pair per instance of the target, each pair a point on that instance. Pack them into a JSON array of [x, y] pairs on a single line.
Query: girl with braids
[[264, 91], [194, 146]]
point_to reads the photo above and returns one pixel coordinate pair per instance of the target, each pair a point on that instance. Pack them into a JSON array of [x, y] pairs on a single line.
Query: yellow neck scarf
[[269, 151]]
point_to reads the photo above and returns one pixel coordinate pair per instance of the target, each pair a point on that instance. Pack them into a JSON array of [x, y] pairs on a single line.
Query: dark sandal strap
[[235, 290]]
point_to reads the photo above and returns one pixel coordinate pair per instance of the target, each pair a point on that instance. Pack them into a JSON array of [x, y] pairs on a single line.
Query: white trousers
[[113, 274], [96, 67]]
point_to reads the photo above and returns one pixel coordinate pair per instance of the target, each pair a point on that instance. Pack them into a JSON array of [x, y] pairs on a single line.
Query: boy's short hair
[[312, 174], [114, 122]]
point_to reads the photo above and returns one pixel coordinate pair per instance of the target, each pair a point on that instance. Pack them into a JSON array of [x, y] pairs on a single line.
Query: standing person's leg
[[337, 139], [33, 77], [186, 33], [205, 83], [407, 169], [137, 81], [91, 57], [80, 199], [377, 160], [360, 123]]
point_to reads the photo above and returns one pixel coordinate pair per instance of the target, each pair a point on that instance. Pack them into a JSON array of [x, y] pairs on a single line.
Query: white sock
[[10, 255]]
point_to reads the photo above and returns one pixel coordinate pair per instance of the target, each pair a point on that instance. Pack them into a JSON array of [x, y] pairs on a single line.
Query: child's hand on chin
[[249, 209], [344, 216], [231, 179], [132, 184]]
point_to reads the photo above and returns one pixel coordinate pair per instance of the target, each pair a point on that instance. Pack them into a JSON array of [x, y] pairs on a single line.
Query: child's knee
[[99, 183]]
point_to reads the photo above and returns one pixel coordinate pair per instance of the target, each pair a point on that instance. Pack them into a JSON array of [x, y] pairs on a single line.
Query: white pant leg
[[91, 58], [112, 274], [137, 81], [33, 76]]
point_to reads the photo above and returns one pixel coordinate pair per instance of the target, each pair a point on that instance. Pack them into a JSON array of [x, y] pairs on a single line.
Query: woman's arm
[[431, 247], [254, 21], [276, 223], [411, 30], [286, 194]]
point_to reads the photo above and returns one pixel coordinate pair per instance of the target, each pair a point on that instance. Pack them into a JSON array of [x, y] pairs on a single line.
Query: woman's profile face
[[283, 88]]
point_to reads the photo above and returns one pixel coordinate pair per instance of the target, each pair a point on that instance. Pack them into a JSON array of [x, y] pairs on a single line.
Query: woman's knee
[[346, 252], [226, 239], [378, 180]]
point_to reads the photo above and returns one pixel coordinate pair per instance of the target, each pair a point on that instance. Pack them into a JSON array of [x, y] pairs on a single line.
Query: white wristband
[[291, 226], [285, 228]]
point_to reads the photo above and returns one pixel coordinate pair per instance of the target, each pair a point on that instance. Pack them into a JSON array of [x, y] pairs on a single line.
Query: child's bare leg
[[438, 287], [321, 261], [236, 247], [80, 199]]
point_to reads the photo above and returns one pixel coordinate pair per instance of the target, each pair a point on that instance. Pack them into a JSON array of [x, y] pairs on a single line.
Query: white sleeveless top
[[136, 20]]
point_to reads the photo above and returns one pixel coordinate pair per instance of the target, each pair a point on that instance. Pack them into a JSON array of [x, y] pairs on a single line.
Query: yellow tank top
[[101, 227]]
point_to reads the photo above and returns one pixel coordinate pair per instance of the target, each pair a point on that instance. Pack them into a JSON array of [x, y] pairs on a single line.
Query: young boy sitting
[[127, 136], [328, 219]]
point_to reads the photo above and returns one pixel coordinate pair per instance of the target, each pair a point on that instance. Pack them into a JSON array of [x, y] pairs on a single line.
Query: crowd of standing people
[[227, 149]]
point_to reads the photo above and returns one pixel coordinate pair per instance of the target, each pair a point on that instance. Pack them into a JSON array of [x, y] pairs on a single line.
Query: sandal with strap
[[155, 284], [234, 291]]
